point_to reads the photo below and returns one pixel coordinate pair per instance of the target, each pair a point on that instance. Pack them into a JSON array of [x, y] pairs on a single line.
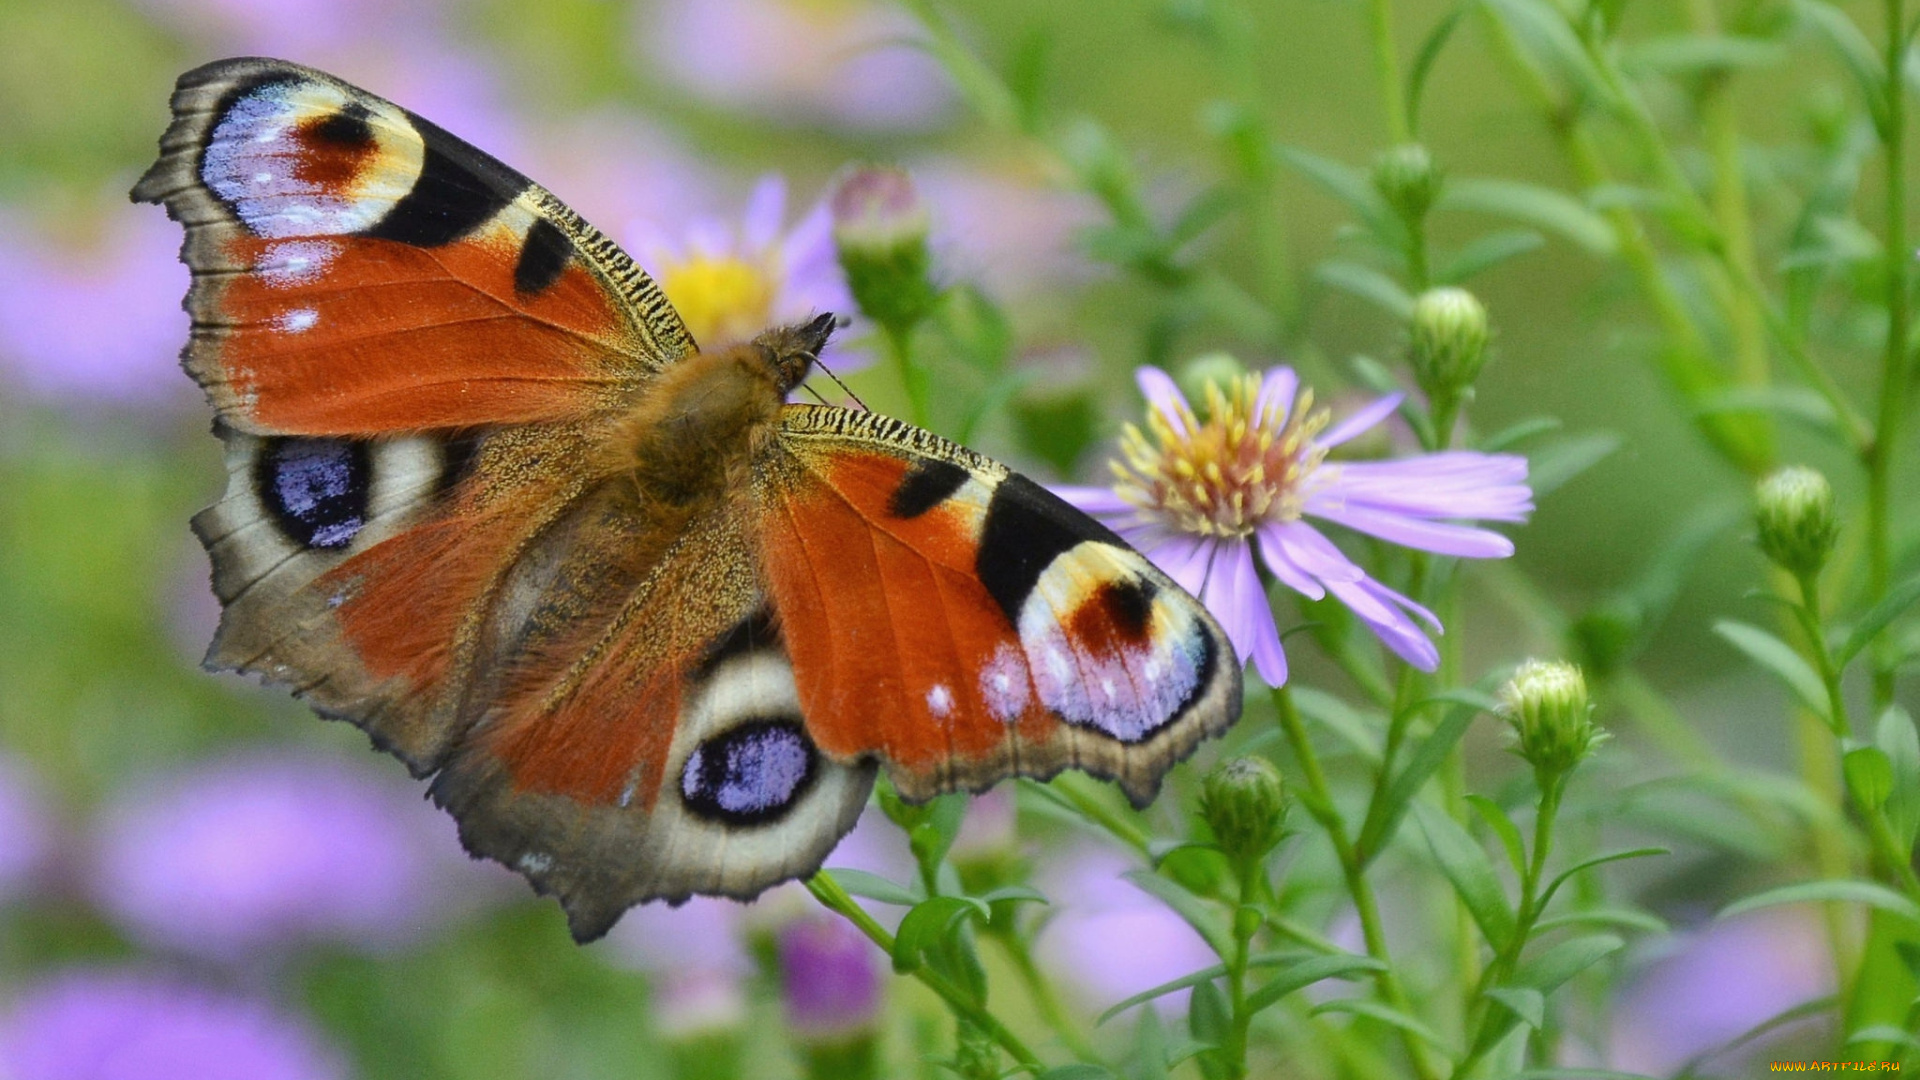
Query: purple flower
[[98, 324], [846, 63], [828, 979], [1006, 230], [731, 282], [126, 1025], [267, 849], [1200, 497], [1109, 937]]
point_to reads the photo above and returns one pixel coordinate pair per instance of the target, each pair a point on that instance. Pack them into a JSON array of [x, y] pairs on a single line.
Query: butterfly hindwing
[[962, 624], [357, 270]]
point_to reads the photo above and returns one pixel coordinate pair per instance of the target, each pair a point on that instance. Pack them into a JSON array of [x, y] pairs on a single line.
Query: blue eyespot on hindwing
[[750, 775], [316, 489]]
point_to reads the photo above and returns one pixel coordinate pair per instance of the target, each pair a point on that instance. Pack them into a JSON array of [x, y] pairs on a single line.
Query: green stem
[[1045, 997], [1893, 373], [1235, 1052], [912, 376], [1386, 70], [1809, 615], [1322, 807], [835, 899], [1507, 960]]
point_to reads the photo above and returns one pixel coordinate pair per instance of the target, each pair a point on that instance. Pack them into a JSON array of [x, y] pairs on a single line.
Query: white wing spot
[[298, 320], [940, 701], [1003, 684], [535, 862]]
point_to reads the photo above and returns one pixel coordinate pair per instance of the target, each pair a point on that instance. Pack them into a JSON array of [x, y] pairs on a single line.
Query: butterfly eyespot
[[751, 774], [316, 489]]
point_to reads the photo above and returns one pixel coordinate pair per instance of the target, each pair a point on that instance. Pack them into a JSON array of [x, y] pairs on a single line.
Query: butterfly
[[650, 629]]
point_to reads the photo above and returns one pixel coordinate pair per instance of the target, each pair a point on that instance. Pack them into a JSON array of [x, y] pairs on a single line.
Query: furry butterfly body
[[650, 628]]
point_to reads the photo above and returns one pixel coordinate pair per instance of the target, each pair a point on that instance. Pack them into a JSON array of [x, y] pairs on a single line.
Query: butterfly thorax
[[698, 425]]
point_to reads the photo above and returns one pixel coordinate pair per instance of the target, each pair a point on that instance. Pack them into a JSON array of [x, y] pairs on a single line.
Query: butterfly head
[[793, 350]]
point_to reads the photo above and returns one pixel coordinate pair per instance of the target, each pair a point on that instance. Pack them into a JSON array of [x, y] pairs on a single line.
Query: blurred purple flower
[[1716, 984], [267, 849], [1199, 497], [829, 979], [695, 957], [731, 282], [95, 325], [844, 63], [26, 828], [1109, 937], [125, 1025], [1011, 233]]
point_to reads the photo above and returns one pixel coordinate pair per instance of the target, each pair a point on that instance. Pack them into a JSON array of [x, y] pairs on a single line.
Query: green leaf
[[875, 887], [1543, 31], [1353, 187], [1550, 468], [1778, 657], [1696, 54], [1079, 1070], [1503, 827], [1894, 734], [1883, 1033], [927, 926], [1897, 601], [1620, 917], [1484, 253], [1208, 1018], [1551, 969], [1869, 775], [1528, 1004], [1014, 894], [1368, 284], [1217, 971], [1541, 207], [1423, 60], [1355, 728], [1509, 437], [1568, 1072], [1466, 865], [1788, 402], [1388, 1015], [1206, 920], [1870, 893], [1599, 860], [1383, 817], [1851, 48], [1306, 973]]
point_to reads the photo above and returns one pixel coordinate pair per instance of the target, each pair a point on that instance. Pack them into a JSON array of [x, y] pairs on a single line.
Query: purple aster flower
[[1200, 498], [1006, 229], [1110, 938], [267, 849], [845, 63], [99, 324], [829, 979], [729, 282], [126, 1025]]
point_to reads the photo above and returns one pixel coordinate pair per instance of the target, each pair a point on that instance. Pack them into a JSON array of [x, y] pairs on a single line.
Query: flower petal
[[1163, 395], [1450, 485], [1234, 595], [1316, 554], [1360, 421], [1278, 388], [1375, 604], [1092, 500], [1439, 537], [1273, 552], [766, 210], [1186, 559]]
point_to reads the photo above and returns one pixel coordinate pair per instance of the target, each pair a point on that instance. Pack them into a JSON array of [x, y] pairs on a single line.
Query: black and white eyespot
[[751, 774], [317, 490]]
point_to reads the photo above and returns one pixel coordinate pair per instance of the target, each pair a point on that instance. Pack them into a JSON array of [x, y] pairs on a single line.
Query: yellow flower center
[[721, 299], [1226, 477]]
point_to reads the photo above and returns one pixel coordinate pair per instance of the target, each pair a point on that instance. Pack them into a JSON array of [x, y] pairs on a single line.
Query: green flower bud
[[1209, 369], [880, 230], [1244, 802], [1793, 510], [1546, 702], [1406, 178], [1449, 341]]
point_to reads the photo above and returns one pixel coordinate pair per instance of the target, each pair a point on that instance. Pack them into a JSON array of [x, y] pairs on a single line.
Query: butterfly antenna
[[808, 387], [841, 385]]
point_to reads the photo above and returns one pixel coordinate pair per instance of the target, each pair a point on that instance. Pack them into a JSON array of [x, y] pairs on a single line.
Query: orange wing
[[357, 270], [961, 624]]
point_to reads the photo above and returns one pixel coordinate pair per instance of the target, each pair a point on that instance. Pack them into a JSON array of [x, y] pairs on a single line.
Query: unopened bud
[[1546, 702], [1244, 802], [1209, 369], [1449, 341], [1406, 178], [880, 230], [1793, 510]]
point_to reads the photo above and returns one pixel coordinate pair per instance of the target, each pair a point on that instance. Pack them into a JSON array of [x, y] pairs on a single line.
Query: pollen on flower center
[[1247, 465], [720, 298]]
